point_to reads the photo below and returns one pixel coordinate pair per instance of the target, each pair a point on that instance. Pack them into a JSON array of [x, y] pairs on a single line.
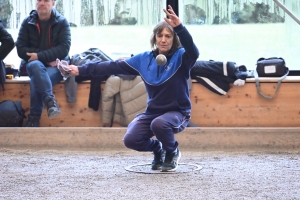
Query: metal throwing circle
[[146, 169]]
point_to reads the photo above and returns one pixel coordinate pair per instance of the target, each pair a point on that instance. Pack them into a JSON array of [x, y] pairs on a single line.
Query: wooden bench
[[240, 107]]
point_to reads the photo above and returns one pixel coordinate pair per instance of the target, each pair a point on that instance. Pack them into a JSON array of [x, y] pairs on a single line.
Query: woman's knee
[[129, 141], [132, 142], [158, 124]]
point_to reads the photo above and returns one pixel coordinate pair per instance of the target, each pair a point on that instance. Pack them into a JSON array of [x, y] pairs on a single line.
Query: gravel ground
[[51, 174]]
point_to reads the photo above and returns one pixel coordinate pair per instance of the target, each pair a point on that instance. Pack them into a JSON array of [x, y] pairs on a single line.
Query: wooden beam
[[97, 138], [240, 107]]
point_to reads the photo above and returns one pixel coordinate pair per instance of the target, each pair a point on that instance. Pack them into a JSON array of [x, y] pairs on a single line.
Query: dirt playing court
[[51, 174]]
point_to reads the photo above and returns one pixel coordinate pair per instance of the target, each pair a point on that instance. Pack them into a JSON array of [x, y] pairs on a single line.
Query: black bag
[[270, 67], [91, 55], [11, 114]]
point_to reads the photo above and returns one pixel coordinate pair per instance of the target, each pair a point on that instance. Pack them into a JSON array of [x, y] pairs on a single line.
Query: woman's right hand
[[74, 70]]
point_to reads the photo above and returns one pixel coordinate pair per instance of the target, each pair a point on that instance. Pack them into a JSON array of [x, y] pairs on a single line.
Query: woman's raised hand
[[172, 19]]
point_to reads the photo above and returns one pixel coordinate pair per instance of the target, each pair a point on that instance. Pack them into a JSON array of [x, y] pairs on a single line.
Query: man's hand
[[52, 64], [173, 19], [33, 56]]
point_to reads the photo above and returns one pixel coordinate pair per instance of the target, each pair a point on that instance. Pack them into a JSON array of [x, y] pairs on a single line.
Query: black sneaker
[[32, 121], [159, 157], [171, 161], [52, 107]]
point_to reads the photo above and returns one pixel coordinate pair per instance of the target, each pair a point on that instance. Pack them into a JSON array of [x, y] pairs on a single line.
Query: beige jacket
[[122, 99]]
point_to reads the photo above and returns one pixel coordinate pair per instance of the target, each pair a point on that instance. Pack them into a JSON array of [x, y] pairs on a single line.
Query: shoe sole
[[174, 169], [156, 168], [53, 113]]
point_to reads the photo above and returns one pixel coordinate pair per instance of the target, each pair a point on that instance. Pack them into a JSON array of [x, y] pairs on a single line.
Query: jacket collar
[[170, 54]]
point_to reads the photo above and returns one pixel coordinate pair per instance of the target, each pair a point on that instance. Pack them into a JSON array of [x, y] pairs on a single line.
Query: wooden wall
[[73, 114], [241, 107]]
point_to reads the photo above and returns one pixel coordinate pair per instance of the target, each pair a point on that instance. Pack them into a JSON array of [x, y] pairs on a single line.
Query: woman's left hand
[[173, 19]]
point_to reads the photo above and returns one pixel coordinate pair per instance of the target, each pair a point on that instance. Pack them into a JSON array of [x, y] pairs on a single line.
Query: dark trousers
[[163, 126]]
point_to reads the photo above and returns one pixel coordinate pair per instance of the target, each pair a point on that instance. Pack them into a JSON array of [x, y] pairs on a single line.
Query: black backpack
[[11, 114]]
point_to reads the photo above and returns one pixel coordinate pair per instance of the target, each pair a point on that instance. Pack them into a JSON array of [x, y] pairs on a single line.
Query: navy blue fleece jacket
[[167, 86]]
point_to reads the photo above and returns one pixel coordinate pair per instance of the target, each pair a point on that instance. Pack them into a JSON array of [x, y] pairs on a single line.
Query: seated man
[[7, 44], [43, 37]]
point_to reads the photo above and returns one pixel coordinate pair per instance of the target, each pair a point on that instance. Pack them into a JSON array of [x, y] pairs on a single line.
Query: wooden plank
[[243, 107], [288, 79], [73, 114], [240, 107], [207, 138]]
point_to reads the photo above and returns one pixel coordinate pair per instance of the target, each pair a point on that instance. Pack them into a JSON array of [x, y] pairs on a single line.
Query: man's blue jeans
[[42, 78]]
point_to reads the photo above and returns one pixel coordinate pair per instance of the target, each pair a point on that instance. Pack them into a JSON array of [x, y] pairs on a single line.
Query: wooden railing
[[240, 107]]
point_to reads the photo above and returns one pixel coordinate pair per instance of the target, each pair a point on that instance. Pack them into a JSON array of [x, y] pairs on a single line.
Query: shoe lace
[[51, 103], [157, 155], [170, 156]]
